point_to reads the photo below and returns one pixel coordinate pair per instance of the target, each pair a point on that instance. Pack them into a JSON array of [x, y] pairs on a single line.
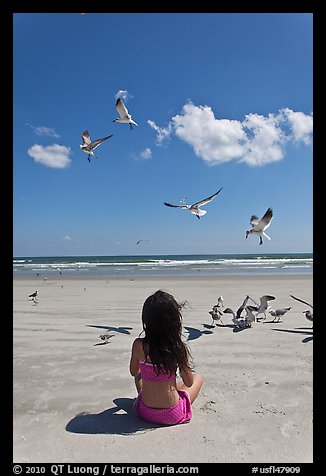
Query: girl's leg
[[195, 387]]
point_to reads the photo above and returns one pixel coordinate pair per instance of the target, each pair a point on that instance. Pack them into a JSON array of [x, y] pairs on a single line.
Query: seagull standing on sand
[[125, 117], [88, 146], [241, 308], [250, 317], [263, 307], [240, 323], [309, 315], [260, 225], [194, 208], [278, 313], [216, 314], [220, 302]]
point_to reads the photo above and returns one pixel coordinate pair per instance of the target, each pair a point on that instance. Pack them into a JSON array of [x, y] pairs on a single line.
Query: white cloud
[[67, 237], [300, 124], [55, 156], [213, 140], [123, 94], [146, 154], [265, 140], [44, 131], [163, 133], [257, 140]]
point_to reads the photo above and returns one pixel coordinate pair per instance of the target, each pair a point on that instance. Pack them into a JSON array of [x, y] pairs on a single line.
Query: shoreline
[[167, 277], [73, 397]]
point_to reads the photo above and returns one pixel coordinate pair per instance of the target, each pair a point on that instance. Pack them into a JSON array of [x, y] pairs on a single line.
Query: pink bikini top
[[148, 372]]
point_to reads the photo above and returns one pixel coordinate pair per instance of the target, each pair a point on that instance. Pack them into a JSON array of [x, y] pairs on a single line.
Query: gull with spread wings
[[125, 117], [194, 208], [259, 225], [263, 307], [88, 146]]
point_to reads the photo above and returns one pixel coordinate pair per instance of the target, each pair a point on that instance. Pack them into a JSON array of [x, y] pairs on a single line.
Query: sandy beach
[[73, 399]]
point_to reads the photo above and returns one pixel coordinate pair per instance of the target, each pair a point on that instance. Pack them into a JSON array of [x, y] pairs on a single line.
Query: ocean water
[[154, 265]]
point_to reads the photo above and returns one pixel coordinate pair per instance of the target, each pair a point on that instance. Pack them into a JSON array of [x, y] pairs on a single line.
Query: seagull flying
[[300, 300], [33, 296], [194, 208], [309, 315], [125, 117], [277, 313], [139, 241], [88, 146], [259, 225], [55, 267]]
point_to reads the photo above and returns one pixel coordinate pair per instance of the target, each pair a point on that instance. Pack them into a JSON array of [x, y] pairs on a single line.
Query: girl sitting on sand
[[154, 361]]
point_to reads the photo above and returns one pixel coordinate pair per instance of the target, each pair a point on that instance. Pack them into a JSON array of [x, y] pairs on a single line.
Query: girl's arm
[[187, 376], [134, 359]]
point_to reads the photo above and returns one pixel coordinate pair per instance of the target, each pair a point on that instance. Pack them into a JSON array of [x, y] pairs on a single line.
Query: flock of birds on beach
[[253, 312], [258, 226]]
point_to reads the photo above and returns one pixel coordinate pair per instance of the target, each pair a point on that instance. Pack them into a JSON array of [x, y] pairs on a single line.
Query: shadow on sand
[[194, 333], [299, 330], [120, 329], [118, 420]]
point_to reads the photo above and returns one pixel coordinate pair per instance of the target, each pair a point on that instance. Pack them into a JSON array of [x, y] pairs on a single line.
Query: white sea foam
[[184, 264]]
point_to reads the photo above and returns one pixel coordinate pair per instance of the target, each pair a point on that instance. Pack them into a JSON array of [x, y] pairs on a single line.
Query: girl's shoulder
[[138, 342]]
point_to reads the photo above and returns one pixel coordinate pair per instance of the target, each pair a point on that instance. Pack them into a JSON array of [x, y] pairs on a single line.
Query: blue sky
[[221, 100]]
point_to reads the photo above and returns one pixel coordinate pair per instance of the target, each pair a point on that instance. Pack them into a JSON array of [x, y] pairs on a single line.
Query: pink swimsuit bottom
[[179, 413]]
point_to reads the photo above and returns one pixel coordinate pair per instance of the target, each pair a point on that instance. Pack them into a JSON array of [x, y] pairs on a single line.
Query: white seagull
[[277, 313], [309, 315], [263, 307], [260, 225], [125, 117], [88, 146], [194, 208], [55, 267], [220, 301]]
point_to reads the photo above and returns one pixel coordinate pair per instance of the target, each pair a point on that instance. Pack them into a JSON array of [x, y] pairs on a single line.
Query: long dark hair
[[162, 324]]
